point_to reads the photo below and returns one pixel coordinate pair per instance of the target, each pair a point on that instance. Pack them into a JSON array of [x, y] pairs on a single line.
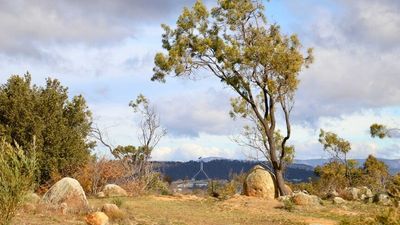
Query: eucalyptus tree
[[337, 147], [235, 43], [382, 131]]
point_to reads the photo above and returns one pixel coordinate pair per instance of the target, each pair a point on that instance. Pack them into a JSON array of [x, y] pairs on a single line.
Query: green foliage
[[156, 184], [60, 125], [393, 186], [338, 147], [17, 176], [222, 190], [131, 153], [332, 176], [235, 43], [378, 130], [381, 131], [289, 205], [376, 174]]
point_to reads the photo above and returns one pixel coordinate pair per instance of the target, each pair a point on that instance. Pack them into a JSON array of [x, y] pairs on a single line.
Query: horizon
[[105, 51], [211, 158]]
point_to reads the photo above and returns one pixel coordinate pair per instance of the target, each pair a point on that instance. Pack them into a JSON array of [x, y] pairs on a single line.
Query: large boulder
[[260, 183], [113, 190], [301, 198], [97, 218], [69, 191]]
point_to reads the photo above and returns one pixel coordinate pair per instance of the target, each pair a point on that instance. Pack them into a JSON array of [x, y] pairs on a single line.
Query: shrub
[[222, 190], [61, 124], [17, 177], [389, 216], [99, 172], [117, 201], [288, 205], [394, 187]]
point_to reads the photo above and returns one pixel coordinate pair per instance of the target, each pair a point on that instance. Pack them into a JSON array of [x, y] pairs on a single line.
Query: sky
[[104, 50]]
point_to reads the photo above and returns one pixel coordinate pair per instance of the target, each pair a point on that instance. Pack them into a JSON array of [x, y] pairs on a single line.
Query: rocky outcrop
[[69, 191], [356, 194], [351, 194], [260, 183], [113, 190]]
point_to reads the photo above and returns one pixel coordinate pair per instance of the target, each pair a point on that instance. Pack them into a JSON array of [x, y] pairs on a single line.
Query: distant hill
[[393, 164], [224, 168]]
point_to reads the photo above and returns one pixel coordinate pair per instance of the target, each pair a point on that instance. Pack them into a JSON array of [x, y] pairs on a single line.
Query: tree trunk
[[280, 183]]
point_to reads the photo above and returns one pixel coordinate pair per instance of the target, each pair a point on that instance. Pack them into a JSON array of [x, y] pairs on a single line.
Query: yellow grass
[[192, 210]]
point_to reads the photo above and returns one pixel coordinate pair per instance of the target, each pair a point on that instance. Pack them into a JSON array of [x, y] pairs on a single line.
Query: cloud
[[374, 22], [30, 26], [192, 113], [356, 66], [353, 127], [191, 151]]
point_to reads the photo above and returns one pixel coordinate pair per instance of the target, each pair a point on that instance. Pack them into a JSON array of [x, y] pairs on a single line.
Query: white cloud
[[191, 151]]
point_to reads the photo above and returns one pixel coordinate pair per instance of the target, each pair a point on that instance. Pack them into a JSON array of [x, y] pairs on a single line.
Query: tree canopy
[[59, 124], [234, 42], [382, 131]]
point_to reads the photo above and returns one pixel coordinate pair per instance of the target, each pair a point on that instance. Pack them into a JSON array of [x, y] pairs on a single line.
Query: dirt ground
[[193, 210]]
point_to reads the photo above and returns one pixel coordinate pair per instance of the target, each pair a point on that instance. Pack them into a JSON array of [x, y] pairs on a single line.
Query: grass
[[192, 210]]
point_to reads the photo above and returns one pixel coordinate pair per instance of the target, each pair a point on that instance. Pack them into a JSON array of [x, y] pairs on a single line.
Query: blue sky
[[104, 50]]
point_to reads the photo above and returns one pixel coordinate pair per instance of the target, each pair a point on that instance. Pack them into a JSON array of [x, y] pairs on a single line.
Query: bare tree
[[135, 159]]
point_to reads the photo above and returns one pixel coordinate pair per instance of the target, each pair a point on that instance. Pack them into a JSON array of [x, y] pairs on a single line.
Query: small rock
[[382, 199], [305, 199], [367, 192], [113, 190], [32, 198], [284, 198], [109, 208], [351, 193], [338, 200], [97, 218]]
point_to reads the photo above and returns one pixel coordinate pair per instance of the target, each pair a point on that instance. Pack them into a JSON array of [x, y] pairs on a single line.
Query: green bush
[[222, 190], [17, 177], [157, 184], [289, 205]]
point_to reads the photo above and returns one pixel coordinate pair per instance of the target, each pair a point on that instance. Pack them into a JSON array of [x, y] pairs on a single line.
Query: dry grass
[[193, 210]]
